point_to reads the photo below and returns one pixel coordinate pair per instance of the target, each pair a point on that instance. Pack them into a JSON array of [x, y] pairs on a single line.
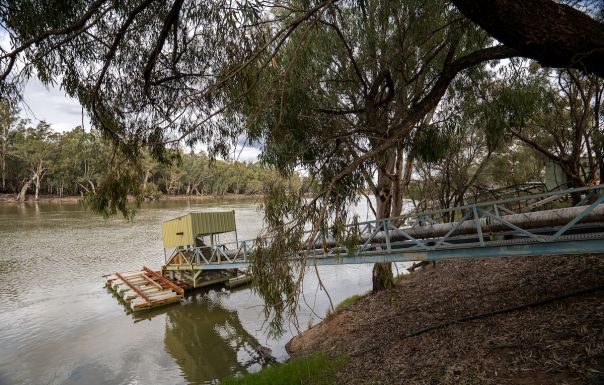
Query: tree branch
[[77, 24], [170, 22], [535, 145], [554, 34], [431, 100]]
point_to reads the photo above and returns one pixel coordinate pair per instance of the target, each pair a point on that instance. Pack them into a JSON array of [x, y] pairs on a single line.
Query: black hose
[[490, 314]]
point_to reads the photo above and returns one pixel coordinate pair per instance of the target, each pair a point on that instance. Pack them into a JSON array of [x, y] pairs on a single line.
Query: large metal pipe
[[527, 221], [534, 220]]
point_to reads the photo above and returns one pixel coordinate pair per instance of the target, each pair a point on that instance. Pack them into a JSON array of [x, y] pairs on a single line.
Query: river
[[60, 325]]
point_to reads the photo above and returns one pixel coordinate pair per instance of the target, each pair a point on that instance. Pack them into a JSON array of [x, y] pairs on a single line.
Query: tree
[[349, 95], [158, 91], [156, 75], [34, 146], [362, 103], [9, 120], [566, 130], [80, 162], [557, 113]]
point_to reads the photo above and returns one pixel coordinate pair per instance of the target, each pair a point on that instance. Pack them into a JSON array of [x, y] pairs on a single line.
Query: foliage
[[317, 369], [278, 283], [80, 163], [556, 113], [350, 98]]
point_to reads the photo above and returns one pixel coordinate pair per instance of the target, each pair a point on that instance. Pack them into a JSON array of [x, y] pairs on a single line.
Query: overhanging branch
[[554, 34]]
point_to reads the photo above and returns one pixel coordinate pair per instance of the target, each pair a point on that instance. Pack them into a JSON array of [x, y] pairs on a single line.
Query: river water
[[60, 325]]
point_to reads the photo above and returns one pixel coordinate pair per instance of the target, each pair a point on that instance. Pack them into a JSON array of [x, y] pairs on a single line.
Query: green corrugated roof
[[182, 231]]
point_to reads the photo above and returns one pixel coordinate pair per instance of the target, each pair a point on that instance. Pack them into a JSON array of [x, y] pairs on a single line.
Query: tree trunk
[[3, 171], [4, 148], [146, 178], [37, 179], [24, 188], [38, 175], [384, 184], [397, 209], [382, 278]]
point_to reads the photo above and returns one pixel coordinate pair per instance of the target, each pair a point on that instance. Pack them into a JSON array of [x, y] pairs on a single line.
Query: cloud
[[249, 154], [52, 105], [243, 140], [64, 113]]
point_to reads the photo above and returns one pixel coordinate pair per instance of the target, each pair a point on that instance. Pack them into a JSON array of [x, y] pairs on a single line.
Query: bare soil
[[560, 342], [10, 198]]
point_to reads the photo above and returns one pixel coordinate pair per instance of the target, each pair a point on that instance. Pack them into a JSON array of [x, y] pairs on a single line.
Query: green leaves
[[433, 143], [113, 193]]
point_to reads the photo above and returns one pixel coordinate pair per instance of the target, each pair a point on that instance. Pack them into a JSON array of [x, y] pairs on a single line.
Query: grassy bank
[[345, 303], [316, 369]]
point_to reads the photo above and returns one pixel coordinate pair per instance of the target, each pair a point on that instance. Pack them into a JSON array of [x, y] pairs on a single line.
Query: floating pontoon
[[144, 289], [182, 270]]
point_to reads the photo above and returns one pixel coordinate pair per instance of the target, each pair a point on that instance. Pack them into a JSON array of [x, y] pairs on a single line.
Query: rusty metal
[[166, 281]]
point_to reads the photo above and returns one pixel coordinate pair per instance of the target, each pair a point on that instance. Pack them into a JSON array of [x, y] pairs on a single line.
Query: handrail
[[387, 228]]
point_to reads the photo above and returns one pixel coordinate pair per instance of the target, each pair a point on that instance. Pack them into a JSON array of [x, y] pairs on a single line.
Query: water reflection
[[208, 341]]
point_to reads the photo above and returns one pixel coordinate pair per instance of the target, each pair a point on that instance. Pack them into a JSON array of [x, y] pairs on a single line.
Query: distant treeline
[[37, 160]]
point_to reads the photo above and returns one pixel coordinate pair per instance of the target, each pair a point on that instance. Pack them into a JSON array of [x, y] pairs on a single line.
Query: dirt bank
[[10, 198], [558, 342], [226, 197]]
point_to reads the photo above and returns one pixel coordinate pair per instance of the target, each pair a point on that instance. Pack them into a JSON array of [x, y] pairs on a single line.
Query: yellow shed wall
[[171, 230], [194, 224], [213, 222]]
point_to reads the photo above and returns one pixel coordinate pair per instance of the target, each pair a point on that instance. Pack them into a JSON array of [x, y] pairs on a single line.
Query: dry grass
[[556, 343]]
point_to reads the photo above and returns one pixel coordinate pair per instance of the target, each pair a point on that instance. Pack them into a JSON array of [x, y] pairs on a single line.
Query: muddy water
[[60, 325]]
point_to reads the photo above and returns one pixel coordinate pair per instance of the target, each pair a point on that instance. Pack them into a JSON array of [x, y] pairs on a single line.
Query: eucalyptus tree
[[566, 129], [446, 181], [352, 98], [35, 148], [557, 113], [80, 162], [9, 122], [341, 89]]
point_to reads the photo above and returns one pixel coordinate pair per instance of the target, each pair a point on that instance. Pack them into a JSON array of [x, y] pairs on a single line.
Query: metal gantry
[[509, 227]]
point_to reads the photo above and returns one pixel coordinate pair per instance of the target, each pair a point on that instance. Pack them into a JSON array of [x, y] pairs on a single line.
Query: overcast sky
[[53, 106], [64, 113]]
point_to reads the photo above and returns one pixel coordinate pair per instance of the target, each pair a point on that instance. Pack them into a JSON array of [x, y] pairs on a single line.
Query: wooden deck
[[144, 289]]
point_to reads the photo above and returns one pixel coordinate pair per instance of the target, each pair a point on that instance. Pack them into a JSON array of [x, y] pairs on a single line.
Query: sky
[[52, 105], [64, 113]]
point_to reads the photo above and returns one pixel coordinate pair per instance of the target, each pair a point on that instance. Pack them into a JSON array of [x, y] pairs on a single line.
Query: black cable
[[490, 314]]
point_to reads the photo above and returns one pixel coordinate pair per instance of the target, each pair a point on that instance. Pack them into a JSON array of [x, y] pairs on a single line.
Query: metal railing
[[480, 225]]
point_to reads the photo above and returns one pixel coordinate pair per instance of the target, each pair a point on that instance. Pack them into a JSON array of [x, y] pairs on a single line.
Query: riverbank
[[405, 335], [10, 198]]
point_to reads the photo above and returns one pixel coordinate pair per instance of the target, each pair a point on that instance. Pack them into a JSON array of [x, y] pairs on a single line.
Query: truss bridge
[[522, 226]]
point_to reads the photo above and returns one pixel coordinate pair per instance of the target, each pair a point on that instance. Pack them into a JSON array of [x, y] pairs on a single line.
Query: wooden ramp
[[144, 289]]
